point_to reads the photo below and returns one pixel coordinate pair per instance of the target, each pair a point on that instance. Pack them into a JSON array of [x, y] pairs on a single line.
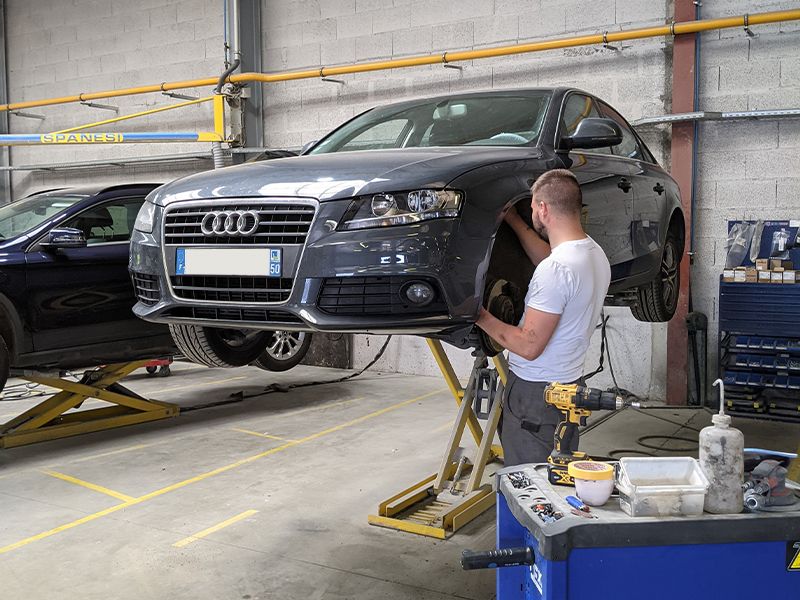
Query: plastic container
[[594, 481], [722, 460], [661, 486]]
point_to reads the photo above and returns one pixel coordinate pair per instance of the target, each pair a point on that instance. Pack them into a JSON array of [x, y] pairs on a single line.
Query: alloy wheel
[[283, 345]]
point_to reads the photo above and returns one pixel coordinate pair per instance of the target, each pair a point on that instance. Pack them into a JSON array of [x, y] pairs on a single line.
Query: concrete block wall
[[60, 48], [746, 169]]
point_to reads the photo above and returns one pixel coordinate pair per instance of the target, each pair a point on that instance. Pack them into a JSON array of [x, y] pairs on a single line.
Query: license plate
[[252, 262]]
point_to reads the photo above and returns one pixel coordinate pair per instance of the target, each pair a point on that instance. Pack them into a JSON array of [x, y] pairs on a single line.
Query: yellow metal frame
[[50, 420], [444, 502]]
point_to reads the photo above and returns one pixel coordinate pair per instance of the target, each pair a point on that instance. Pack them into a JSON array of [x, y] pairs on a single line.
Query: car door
[[649, 182], [606, 184], [84, 296]]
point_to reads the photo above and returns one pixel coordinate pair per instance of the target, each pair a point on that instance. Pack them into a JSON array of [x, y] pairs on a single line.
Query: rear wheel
[[4, 363], [657, 301], [216, 347], [285, 350]]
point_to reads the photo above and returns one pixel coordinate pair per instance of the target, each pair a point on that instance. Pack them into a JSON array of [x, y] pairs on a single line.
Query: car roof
[[96, 189]]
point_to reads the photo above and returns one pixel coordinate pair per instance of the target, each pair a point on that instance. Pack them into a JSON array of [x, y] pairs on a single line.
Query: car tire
[[285, 350], [4, 363], [657, 301], [216, 347]]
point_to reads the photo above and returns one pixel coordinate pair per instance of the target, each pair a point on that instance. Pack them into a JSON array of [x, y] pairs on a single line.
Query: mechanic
[[563, 305]]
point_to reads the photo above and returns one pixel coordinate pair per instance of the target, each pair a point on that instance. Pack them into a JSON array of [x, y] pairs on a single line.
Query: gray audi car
[[393, 223]]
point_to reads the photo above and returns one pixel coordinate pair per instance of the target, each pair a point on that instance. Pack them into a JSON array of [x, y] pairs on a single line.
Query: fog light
[[419, 293]]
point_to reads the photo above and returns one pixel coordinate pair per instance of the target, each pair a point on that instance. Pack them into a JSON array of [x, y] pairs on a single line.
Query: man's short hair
[[560, 189]]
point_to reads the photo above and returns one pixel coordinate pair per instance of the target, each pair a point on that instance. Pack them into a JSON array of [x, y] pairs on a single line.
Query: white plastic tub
[[661, 486]]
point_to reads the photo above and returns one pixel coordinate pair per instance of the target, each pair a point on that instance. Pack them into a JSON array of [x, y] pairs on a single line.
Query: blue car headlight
[[401, 208], [145, 218]]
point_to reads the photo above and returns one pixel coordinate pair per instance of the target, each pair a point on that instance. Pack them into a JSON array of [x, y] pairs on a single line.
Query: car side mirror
[[593, 132], [64, 237]]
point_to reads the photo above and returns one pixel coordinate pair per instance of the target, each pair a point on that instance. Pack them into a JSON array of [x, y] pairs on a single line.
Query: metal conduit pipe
[[672, 29], [217, 155]]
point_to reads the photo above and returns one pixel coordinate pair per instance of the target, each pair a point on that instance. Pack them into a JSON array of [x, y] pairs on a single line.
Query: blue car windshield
[[26, 214], [490, 120]]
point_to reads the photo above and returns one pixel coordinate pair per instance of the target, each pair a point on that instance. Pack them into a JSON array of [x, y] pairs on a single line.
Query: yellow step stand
[[461, 490]]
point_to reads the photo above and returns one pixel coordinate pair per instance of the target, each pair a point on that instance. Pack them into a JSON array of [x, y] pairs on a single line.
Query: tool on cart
[[767, 487], [576, 403], [494, 559]]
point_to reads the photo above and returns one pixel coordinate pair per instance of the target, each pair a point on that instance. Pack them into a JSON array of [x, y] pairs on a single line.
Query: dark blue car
[[65, 291]]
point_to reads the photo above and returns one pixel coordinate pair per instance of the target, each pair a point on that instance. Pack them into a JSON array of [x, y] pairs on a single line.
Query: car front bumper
[[332, 263]]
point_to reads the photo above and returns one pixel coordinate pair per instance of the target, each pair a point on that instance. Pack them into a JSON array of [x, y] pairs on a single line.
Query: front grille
[[213, 313], [375, 296], [217, 288], [280, 223], [146, 287]]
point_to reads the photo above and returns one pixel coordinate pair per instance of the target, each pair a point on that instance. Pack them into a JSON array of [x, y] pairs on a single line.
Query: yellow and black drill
[[576, 403]]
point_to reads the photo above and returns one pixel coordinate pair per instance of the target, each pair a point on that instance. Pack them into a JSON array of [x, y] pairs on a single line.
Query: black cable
[[277, 387], [641, 441]]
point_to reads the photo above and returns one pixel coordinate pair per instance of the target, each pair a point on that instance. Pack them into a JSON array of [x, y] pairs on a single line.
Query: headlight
[[145, 218], [400, 208]]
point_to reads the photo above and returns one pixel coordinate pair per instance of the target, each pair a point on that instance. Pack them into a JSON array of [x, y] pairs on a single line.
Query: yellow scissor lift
[[50, 420], [461, 490]]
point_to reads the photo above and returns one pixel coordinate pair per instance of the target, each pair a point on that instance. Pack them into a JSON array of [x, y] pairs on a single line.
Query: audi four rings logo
[[230, 222]]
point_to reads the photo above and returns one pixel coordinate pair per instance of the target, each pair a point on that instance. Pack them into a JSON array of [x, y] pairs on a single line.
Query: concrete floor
[[111, 514]]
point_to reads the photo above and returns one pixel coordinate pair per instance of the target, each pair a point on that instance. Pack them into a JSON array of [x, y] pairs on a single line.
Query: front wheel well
[[677, 227]]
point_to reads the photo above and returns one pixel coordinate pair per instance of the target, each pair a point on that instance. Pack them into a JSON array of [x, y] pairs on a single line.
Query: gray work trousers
[[529, 423]]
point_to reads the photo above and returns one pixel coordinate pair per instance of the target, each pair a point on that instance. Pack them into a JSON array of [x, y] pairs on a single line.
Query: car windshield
[[26, 214], [490, 120]]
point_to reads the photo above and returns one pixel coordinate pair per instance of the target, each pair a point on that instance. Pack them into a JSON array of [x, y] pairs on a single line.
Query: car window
[[577, 108], [476, 120], [110, 222], [384, 134], [22, 216], [629, 147]]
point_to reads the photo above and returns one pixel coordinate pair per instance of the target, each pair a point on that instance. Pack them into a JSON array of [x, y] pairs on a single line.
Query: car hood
[[340, 175]]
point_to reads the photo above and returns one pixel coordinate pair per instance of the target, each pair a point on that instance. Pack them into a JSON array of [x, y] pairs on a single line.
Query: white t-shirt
[[573, 282]]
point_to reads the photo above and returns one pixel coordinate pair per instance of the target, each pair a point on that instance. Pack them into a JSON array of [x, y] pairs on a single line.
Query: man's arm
[[535, 247], [530, 340]]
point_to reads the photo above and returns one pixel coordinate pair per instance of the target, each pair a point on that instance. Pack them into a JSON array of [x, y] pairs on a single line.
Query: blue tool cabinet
[[616, 557], [759, 349], [759, 337]]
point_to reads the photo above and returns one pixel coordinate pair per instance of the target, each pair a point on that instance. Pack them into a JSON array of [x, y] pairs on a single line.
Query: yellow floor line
[[264, 435], [91, 486], [197, 478], [448, 425], [200, 535], [112, 452], [201, 383], [323, 406]]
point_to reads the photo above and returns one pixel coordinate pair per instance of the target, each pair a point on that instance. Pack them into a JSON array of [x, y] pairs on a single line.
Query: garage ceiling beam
[[682, 167]]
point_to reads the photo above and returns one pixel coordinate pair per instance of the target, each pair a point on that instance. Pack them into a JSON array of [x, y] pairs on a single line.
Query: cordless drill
[[576, 403]]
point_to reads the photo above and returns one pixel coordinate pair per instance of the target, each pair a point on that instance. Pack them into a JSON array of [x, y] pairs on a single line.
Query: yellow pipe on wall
[[672, 29]]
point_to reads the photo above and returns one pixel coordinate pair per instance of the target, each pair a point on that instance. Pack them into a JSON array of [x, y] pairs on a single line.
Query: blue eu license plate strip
[[275, 262], [180, 261]]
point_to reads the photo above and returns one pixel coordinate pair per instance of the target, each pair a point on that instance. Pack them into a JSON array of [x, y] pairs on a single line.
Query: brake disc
[[502, 300]]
